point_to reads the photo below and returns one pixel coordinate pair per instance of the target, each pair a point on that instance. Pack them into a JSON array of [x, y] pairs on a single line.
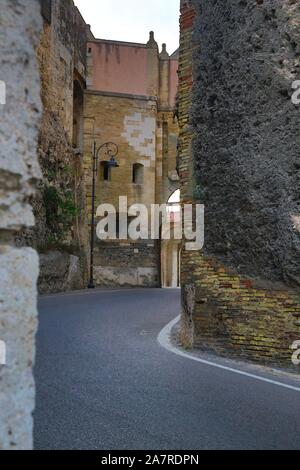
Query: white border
[[164, 339]]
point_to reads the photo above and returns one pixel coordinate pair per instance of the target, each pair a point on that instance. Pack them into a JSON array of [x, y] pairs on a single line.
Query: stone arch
[[172, 188]]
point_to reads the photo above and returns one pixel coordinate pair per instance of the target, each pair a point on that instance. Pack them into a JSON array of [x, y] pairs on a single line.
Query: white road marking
[[86, 293], [165, 341]]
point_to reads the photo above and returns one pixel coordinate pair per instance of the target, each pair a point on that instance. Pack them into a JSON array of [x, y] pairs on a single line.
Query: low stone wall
[[233, 315], [61, 272], [108, 276], [128, 265]]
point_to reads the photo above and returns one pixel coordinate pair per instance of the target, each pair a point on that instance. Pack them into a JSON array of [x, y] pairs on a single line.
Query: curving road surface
[[104, 382]]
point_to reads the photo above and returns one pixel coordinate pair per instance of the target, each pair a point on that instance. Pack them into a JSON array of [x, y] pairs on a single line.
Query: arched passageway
[[171, 243]]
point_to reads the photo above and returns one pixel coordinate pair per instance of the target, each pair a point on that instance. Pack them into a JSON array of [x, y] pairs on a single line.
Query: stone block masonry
[[132, 123], [61, 231], [130, 264], [130, 100], [239, 149], [20, 26]]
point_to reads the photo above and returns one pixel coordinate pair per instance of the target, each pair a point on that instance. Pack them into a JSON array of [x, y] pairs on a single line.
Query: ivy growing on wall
[[60, 212]]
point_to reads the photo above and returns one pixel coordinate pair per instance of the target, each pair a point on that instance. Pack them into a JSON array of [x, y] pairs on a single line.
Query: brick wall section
[[231, 315], [224, 311], [185, 163]]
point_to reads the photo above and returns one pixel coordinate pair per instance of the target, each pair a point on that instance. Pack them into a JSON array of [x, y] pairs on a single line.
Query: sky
[[131, 20]]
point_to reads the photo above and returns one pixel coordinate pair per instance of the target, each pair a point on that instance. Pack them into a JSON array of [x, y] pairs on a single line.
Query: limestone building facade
[[130, 100]]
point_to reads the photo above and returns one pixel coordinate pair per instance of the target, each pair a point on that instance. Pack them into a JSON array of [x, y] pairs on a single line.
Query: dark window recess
[[105, 172], [138, 173], [46, 10]]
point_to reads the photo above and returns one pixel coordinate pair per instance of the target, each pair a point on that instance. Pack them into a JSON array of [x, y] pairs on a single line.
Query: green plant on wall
[[60, 212]]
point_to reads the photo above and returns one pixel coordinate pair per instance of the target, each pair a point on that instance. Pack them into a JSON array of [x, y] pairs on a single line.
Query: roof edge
[[118, 43]]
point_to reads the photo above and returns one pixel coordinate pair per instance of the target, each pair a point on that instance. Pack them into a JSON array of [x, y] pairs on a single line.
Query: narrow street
[[104, 382]]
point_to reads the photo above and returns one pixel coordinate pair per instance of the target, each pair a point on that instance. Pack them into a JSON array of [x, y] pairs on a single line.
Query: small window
[[105, 172], [138, 173]]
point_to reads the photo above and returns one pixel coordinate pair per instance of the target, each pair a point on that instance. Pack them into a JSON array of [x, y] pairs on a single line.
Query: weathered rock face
[[240, 295], [59, 206], [61, 272], [247, 144], [20, 25]]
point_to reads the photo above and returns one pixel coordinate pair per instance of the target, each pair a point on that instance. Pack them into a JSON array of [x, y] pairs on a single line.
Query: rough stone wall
[[60, 235], [20, 25], [130, 264], [62, 56], [242, 293], [248, 170], [186, 169]]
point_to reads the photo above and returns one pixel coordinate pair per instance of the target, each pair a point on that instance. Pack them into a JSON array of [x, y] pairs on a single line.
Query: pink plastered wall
[[124, 68], [119, 68]]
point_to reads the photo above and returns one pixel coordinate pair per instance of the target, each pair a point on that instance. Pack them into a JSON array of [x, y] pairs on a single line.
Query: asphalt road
[[104, 382]]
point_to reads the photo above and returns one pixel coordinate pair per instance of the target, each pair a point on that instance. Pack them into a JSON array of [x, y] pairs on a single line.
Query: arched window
[[138, 173]]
